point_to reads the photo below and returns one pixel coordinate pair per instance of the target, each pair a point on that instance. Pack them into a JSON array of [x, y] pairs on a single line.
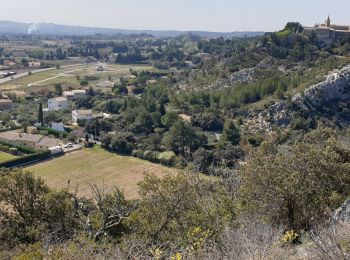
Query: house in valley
[[34, 64], [34, 141], [58, 126], [58, 103], [68, 95], [79, 93], [105, 84], [5, 104], [78, 115], [74, 94]]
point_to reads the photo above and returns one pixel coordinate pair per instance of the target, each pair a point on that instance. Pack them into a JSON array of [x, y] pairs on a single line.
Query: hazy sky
[[209, 15]]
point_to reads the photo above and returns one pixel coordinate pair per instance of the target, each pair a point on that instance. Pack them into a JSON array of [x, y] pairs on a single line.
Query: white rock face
[[342, 214], [238, 77], [335, 87]]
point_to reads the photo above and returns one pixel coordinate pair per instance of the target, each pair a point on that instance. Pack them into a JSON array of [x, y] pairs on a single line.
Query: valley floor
[[97, 166]]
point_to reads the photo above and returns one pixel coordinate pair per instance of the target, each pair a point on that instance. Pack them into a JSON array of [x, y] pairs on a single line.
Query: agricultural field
[[71, 75], [97, 166], [5, 157]]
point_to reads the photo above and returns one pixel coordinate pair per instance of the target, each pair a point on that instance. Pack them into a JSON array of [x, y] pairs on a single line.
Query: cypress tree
[[97, 128], [41, 115]]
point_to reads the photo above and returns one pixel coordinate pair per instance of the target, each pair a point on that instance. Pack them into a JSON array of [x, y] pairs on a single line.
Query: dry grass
[[97, 166], [5, 157]]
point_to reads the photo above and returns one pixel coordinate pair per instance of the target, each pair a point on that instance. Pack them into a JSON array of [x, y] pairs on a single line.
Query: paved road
[[74, 148], [21, 75]]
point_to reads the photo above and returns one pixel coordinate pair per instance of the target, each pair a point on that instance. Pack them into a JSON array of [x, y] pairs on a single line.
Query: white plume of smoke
[[33, 27]]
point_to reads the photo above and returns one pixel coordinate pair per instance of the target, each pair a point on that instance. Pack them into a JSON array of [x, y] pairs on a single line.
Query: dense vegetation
[[246, 192], [182, 215]]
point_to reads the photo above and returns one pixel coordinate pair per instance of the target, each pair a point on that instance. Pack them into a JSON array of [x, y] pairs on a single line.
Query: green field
[[5, 157], [68, 76], [97, 166]]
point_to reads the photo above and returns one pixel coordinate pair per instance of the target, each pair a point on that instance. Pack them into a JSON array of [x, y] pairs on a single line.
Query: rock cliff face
[[342, 214], [235, 78], [335, 88]]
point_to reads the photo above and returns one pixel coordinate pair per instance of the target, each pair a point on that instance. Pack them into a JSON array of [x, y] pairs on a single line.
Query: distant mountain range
[[8, 27]]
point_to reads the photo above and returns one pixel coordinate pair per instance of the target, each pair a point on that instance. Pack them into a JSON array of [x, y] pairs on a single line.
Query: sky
[[186, 15]]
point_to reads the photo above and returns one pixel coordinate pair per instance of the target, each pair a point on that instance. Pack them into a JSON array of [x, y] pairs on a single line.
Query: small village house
[[34, 141], [5, 104], [105, 84], [78, 115], [15, 93], [58, 103], [79, 93], [58, 126], [45, 143], [23, 139], [68, 95], [34, 64], [74, 94]]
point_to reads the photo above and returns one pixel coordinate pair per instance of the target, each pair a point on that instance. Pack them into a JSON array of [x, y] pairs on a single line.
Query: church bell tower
[[328, 22]]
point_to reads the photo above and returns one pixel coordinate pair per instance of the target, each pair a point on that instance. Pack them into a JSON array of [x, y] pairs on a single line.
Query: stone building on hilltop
[[328, 32]]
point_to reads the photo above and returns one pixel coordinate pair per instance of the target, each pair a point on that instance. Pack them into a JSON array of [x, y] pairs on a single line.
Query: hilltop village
[[329, 32]]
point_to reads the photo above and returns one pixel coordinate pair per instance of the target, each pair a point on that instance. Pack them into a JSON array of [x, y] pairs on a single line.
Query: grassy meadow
[[97, 166], [6, 156]]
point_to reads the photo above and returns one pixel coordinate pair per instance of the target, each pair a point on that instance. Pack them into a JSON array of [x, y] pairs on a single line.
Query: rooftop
[[68, 93], [152, 81], [59, 99], [83, 111], [79, 91], [15, 92], [15, 136], [6, 101], [48, 142]]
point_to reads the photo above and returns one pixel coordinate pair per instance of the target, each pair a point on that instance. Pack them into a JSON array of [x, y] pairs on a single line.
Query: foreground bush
[[30, 210], [181, 210], [300, 184]]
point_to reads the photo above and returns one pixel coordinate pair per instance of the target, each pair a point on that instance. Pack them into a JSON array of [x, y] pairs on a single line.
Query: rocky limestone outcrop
[[342, 214], [233, 79], [335, 87]]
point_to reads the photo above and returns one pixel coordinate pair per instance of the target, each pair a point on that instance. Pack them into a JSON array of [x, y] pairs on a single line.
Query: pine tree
[[231, 133]]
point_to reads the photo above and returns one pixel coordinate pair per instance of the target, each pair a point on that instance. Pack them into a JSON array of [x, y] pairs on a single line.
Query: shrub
[[300, 184], [167, 158], [4, 148], [33, 209], [151, 156], [168, 213], [13, 151]]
